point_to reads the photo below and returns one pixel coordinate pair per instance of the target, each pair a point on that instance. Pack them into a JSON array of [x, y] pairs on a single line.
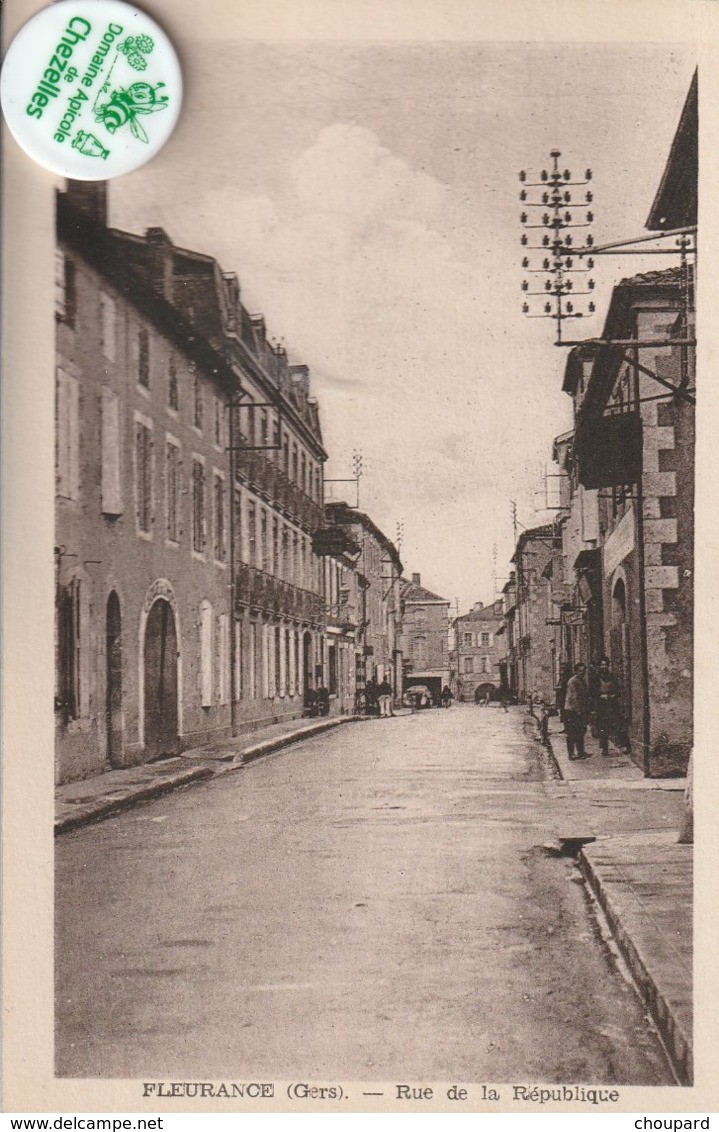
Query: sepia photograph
[[373, 588]]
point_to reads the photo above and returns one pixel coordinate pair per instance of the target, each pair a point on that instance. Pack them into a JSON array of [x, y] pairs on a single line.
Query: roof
[[193, 303], [486, 613], [675, 205], [210, 298], [345, 515], [652, 286], [543, 534], [94, 243], [412, 593]]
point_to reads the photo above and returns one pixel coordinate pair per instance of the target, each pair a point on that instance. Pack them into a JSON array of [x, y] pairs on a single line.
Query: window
[[263, 428], [223, 657], [485, 640], [286, 455], [107, 326], [468, 640], [252, 532], [253, 658], [172, 485], [303, 472], [275, 547], [239, 645], [65, 289], [198, 507], [332, 665], [419, 652], [238, 523], [143, 358], [318, 485], [198, 406], [285, 569], [110, 485], [486, 667], [264, 541], [143, 473], [278, 661], [69, 640], [295, 464], [173, 391], [218, 492], [218, 422], [206, 654], [67, 436], [469, 664]]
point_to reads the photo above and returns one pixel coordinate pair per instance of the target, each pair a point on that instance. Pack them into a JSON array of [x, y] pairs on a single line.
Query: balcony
[[263, 476], [264, 592]]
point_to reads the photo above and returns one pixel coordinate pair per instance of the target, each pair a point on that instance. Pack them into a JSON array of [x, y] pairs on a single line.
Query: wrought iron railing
[[264, 592], [262, 474]]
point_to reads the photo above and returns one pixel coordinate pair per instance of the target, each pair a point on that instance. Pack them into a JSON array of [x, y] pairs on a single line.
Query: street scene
[[374, 902], [374, 573]]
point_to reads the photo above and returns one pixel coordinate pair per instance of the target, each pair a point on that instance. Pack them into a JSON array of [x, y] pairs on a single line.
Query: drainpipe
[[642, 589], [233, 584]]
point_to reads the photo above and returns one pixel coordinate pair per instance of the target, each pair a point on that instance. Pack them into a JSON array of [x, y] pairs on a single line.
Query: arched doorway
[[306, 664], [113, 680], [486, 693], [160, 681], [620, 653]]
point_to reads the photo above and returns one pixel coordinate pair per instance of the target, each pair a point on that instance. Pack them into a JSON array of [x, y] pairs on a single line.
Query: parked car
[[418, 696]]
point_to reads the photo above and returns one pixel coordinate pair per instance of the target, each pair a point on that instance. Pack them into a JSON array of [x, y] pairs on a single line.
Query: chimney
[[478, 607], [300, 377], [90, 198], [416, 580], [160, 261]]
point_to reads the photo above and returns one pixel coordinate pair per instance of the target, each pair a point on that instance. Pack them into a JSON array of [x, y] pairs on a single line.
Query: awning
[[609, 450]]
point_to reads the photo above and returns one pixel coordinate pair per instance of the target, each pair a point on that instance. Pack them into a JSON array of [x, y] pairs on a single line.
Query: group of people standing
[[378, 697], [597, 700]]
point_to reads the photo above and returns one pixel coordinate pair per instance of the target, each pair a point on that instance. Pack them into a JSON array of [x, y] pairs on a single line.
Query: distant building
[[480, 652], [425, 643], [534, 614], [378, 570]]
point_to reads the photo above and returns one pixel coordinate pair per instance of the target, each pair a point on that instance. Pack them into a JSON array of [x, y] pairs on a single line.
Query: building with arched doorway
[[480, 652], [189, 485]]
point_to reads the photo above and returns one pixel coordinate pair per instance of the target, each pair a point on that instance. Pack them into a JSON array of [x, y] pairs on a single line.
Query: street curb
[[250, 754], [139, 794], [93, 812], [677, 1043]]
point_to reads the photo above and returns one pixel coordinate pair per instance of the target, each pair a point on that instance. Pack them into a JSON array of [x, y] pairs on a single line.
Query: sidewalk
[[78, 803], [626, 829]]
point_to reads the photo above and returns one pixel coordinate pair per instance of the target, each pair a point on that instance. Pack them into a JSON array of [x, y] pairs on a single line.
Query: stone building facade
[[642, 567], [425, 636], [375, 589], [189, 484], [480, 652], [534, 613]]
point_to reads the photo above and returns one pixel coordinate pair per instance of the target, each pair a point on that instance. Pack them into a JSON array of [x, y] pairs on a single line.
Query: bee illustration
[[125, 106]]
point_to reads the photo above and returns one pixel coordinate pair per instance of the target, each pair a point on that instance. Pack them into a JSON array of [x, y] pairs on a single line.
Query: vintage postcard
[[360, 564]]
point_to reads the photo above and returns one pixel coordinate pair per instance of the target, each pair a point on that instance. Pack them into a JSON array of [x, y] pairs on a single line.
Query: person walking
[[576, 712], [384, 694], [606, 705], [561, 691], [446, 697]]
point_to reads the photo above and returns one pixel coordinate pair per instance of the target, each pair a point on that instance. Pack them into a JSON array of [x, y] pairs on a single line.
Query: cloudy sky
[[367, 197]]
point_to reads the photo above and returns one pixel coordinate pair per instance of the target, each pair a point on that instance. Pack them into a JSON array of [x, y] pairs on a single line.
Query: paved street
[[373, 903]]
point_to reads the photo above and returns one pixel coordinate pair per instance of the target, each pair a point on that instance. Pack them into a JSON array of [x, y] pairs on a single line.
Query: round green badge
[[91, 89]]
